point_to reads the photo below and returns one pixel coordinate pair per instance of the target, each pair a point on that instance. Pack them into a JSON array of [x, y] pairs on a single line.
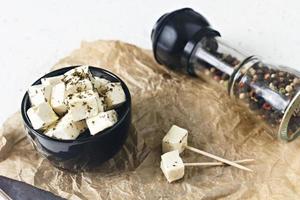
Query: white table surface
[[34, 35]]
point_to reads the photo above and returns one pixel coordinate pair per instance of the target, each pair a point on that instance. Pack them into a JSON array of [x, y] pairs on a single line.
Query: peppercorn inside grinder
[[183, 40]]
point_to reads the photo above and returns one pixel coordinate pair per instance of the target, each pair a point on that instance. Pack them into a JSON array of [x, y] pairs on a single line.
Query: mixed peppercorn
[[265, 89], [211, 46], [268, 91]]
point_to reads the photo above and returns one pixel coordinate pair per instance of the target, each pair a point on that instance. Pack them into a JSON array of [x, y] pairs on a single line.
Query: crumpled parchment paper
[[217, 124]]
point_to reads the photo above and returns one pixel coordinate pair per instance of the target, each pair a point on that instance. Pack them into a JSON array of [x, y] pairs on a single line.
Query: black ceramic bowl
[[86, 151]]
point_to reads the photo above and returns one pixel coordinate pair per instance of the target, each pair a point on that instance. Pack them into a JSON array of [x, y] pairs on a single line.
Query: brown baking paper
[[161, 98]]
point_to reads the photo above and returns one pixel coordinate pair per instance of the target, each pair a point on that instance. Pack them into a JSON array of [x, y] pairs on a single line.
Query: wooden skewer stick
[[219, 158], [216, 163]]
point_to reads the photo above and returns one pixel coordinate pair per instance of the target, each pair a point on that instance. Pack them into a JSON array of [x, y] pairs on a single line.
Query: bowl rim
[[91, 137]]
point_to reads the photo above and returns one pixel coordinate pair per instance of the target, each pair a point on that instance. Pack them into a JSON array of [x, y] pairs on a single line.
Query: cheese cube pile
[[65, 106], [172, 166], [175, 139]]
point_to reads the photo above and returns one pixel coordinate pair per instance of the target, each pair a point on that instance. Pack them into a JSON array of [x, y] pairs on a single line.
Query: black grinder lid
[[175, 35]]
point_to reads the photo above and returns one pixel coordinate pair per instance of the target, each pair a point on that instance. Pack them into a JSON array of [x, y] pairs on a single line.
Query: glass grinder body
[[184, 40]]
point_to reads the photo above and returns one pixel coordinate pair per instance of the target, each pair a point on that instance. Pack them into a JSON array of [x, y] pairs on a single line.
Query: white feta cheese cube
[[175, 139], [39, 94], [41, 116], [83, 105], [100, 84], [114, 95], [172, 166], [78, 79], [79, 86], [102, 121], [58, 96], [77, 74], [52, 80], [66, 129], [100, 102]]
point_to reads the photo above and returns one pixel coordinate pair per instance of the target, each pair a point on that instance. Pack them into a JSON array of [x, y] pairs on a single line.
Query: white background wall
[[34, 34]]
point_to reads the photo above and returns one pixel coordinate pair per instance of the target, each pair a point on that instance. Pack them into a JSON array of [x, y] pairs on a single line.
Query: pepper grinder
[[183, 40]]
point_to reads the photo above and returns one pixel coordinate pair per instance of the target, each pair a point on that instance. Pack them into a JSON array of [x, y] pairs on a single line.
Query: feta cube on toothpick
[[54, 80], [114, 95], [39, 94], [172, 166], [102, 121], [83, 105], [58, 96], [41, 116], [176, 139], [66, 129]]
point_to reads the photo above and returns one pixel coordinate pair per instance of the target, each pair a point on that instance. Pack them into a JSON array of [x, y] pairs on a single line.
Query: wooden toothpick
[[223, 160], [216, 163]]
